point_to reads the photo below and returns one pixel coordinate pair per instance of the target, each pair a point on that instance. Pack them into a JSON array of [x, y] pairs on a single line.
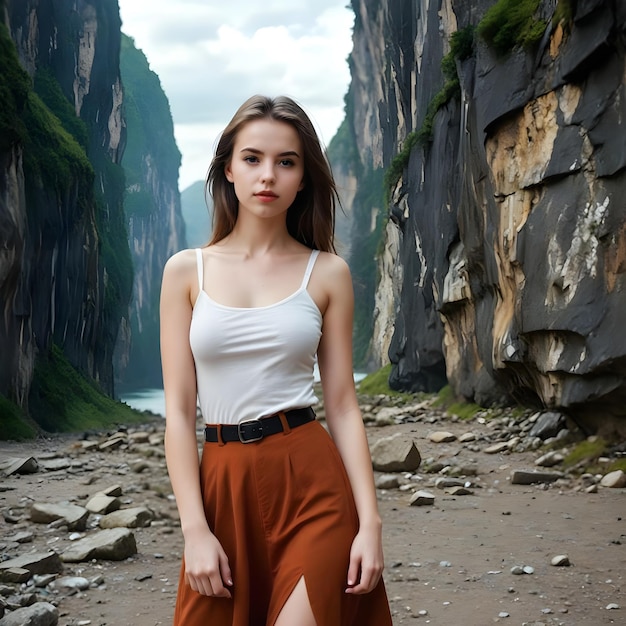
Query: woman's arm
[[206, 565], [346, 424]]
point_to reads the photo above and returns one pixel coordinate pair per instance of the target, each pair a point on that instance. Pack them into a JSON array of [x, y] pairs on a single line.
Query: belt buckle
[[252, 439]]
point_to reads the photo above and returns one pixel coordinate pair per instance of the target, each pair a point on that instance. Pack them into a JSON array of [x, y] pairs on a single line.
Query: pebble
[[561, 560]]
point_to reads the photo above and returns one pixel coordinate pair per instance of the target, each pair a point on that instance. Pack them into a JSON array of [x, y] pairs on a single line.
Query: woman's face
[[266, 167]]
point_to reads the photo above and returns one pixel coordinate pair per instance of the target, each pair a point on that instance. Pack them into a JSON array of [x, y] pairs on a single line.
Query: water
[[153, 400]]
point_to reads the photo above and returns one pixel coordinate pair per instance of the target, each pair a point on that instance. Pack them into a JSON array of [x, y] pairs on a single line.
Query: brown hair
[[311, 217]]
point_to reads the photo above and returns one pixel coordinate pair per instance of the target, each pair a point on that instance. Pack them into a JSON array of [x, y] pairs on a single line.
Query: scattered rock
[[39, 614], [115, 544], [35, 563], [614, 480], [387, 481], [422, 498], [561, 560], [548, 425], [26, 465], [137, 517], [75, 517], [496, 448], [441, 436], [395, 454], [523, 477], [549, 459], [103, 504]]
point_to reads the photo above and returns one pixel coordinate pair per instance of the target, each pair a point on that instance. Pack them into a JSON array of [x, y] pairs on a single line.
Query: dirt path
[[446, 564]]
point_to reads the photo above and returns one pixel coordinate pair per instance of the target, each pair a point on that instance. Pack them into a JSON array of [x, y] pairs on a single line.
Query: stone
[[441, 436], [444, 482], [103, 504], [23, 537], [14, 575], [459, 491], [115, 544], [387, 481], [27, 465], [35, 563], [496, 448], [524, 477], [561, 560], [395, 454], [549, 459], [614, 480], [79, 583], [54, 465], [137, 517], [467, 437], [38, 614], [422, 498], [74, 516], [548, 425]]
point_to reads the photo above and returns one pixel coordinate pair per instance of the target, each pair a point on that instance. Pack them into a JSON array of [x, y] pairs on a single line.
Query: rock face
[[153, 211], [64, 275], [508, 230], [79, 229]]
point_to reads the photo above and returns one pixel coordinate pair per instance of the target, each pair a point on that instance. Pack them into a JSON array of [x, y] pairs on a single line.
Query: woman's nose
[[267, 172]]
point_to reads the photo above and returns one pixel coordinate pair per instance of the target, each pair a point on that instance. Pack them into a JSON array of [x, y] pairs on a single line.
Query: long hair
[[311, 216]]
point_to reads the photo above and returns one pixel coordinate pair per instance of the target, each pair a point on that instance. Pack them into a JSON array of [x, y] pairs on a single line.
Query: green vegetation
[[14, 425], [377, 383], [51, 154], [565, 10], [48, 89], [63, 400], [445, 399], [150, 129], [585, 452], [511, 23], [461, 48], [14, 88]]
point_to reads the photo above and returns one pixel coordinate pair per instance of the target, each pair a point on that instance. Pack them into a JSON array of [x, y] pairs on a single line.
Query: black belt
[[255, 430]]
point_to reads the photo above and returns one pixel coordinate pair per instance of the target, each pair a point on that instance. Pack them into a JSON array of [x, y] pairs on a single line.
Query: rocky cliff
[[153, 211], [65, 270], [502, 247]]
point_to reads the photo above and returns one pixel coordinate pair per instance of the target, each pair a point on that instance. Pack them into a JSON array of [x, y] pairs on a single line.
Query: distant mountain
[[196, 215]]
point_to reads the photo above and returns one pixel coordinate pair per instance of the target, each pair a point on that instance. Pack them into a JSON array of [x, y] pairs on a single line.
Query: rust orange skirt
[[282, 509]]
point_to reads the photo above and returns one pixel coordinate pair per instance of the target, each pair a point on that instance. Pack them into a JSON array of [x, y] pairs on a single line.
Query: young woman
[[280, 522]]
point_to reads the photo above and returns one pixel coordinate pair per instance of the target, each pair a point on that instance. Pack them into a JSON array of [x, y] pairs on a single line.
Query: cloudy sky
[[211, 55]]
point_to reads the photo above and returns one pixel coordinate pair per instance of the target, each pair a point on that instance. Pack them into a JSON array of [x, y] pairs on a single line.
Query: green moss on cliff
[[511, 23], [48, 89], [14, 425], [14, 88], [150, 129], [461, 48], [377, 383], [63, 400], [51, 154]]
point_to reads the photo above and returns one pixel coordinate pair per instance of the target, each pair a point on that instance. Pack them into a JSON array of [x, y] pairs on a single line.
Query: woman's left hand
[[366, 561]]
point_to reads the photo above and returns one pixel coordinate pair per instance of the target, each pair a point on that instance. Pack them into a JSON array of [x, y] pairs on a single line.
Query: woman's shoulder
[[180, 263], [333, 264]]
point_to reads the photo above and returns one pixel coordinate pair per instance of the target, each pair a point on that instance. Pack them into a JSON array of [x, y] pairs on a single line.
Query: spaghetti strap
[[200, 268], [309, 268]]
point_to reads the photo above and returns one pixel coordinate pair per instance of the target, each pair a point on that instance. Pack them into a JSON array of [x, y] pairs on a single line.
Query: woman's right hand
[[206, 565]]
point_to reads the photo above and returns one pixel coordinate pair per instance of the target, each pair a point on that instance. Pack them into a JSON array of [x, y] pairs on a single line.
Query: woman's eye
[[251, 159], [286, 162]]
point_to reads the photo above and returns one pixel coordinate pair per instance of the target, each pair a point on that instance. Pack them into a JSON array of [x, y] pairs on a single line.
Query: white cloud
[[211, 56]]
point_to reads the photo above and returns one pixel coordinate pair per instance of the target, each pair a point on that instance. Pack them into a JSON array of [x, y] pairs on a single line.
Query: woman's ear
[[301, 185], [228, 173]]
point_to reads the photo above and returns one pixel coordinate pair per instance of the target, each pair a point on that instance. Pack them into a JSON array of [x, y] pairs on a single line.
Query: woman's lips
[[266, 196]]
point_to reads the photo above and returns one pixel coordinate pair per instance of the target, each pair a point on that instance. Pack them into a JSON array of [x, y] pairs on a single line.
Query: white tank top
[[252, 362]]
